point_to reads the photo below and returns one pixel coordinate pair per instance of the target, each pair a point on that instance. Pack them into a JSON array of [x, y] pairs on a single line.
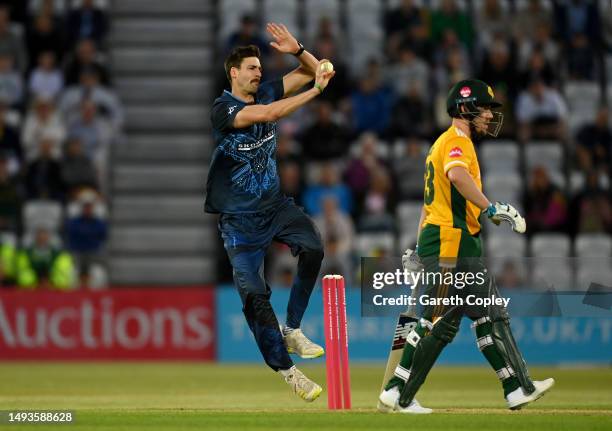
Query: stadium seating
[[550, 245], [230, 13], [504, 187], [500, 156], [545, 153], [42, 214], [282, 11], [375, 244], [593, 245]]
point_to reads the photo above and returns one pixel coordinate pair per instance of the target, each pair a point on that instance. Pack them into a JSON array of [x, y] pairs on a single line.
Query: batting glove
[[411, 261], [502, 211]]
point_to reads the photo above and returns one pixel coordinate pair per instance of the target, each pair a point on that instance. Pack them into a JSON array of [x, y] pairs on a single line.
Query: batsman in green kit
[[449, 245]]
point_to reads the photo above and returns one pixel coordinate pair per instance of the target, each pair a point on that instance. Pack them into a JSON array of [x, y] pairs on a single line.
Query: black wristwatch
[[299, 51]]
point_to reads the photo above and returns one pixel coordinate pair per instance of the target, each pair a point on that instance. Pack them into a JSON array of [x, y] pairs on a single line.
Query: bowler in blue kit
[[243, 186]]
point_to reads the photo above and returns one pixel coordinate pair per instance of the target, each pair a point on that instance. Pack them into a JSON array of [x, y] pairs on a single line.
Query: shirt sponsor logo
[[465, 91], [455, 152], [231, 109], [248, 146]]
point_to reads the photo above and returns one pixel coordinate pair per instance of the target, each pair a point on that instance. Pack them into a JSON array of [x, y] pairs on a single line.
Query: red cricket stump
[[336, 343], [343, 327]]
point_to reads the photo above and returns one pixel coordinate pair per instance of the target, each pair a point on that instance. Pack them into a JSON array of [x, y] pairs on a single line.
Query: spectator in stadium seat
[[409, 71], [359, 171], [55, 8], [94, 132], [492, 22], [86, 235], [452, 62], [18, 9], [411, 104], [606, 30], [527, 21], [11, 82], [499, 66], [509, 277], [542, 42], [328, 185], [44, 265], [43, 176], [591, 209], [577, 17], [450, 17], [453, 66], [402, 18], [338, 234], [325, 139], [340, 86], [290, 175], [78, 171], [89, 88], [42, 120], [44, 34], [10, 143], [11, 198], [541, 113], [85, 56], [246, 35], [10, 43], [409, 169], [86, 22], [371, 102], [8, 260], [545, 205], [327, 30], [578, 26], [538, 67], [46, 80], [400, 25], [581, 59], [594, 144], [378, 205]]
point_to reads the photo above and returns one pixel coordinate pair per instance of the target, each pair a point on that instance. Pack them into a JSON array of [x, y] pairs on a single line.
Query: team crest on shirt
[[465, 91], [455, 152]]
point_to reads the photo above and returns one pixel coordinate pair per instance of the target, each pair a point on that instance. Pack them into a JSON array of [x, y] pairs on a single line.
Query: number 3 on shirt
[[429, 184]]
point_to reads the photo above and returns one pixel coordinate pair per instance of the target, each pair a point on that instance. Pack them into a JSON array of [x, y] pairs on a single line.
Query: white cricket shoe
[[296, 342], [305, 388], [517, 398], [388, 402]]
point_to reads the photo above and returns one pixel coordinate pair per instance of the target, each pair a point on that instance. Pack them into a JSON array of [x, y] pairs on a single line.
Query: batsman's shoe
[[296, 342], [388, 402], [414, 408], [305, 388], [518, 399]]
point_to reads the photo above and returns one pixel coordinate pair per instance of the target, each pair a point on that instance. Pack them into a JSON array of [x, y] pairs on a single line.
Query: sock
[[287, 330], [287, 372], [495, 359]]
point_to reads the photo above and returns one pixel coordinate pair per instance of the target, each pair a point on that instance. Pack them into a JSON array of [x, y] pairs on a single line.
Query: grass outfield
[[190, 396]]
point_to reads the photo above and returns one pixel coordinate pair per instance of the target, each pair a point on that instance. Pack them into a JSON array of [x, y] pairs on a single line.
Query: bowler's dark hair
[[234, 59]]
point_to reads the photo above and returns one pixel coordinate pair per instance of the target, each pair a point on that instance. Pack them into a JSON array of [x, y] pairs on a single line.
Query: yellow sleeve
[[458, 151]]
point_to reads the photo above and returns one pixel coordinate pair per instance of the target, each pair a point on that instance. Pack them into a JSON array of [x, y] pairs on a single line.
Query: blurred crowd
[[58, 118], [354, 159]]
